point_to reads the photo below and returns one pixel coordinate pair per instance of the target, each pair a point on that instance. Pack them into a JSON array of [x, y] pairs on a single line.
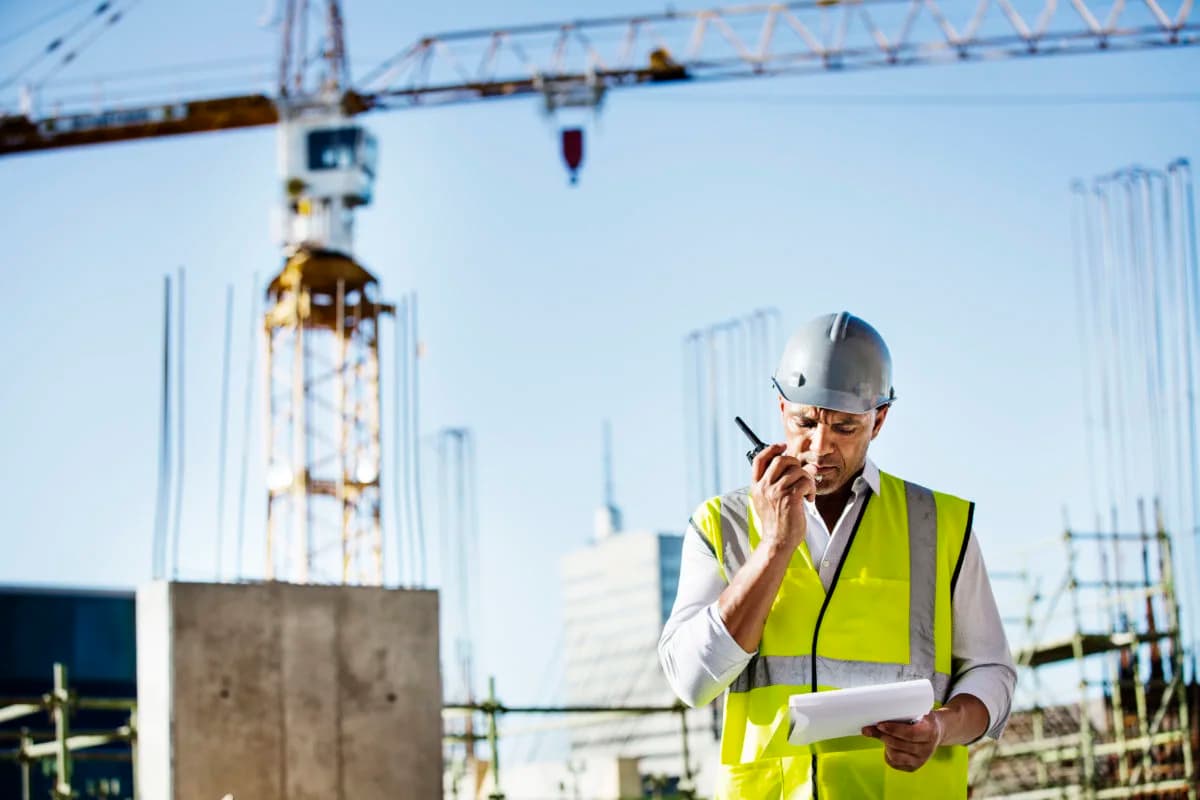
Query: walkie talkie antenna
[[759, 444]]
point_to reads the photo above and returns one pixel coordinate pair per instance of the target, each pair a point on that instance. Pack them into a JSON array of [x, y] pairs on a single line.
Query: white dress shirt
[[701, 658]]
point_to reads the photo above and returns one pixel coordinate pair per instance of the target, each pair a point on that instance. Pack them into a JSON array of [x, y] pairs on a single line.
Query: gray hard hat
[[836, 361]]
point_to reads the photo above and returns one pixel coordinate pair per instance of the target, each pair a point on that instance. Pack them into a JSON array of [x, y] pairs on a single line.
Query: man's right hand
[[780, 485]]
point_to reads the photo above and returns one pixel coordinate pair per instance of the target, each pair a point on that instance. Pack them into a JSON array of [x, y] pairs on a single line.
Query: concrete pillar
[[278, 691]]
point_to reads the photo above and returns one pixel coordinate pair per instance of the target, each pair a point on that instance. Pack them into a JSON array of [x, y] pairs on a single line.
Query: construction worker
[[826, 573]]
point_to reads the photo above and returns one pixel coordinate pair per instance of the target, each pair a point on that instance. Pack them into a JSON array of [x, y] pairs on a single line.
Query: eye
[[846, 429], [802, 424]]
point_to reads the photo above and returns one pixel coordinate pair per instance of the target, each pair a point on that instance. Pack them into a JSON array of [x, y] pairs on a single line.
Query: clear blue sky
[[546, 309]]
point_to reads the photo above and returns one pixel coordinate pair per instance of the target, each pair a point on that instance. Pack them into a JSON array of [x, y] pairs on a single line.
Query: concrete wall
[[277, 691]]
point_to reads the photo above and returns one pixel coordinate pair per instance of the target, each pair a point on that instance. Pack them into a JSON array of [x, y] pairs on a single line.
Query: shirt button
[[825, 563]]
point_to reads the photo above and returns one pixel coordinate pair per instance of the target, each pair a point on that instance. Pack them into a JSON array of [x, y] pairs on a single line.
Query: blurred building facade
[[618, 592]]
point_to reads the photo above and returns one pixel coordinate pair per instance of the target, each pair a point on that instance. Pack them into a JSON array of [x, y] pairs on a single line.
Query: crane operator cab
[[328, 170]]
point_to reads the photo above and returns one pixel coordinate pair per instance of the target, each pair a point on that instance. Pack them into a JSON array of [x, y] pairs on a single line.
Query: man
[[826, 573]]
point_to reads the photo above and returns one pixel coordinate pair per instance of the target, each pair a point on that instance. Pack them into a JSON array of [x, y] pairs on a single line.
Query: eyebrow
[[815, 415]]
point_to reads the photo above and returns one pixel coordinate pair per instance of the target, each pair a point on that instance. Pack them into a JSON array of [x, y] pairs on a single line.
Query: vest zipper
[[821, 615]]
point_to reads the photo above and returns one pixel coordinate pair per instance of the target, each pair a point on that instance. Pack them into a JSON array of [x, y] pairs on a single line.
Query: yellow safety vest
[[886, 617]]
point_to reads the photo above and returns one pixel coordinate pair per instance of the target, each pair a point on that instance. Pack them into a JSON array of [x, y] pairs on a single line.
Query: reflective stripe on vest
[[886, 618]]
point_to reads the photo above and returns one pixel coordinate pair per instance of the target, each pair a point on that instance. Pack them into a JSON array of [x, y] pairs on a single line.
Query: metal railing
[[492, 709]]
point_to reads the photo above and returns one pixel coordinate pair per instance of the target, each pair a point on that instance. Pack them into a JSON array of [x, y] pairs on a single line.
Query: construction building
[[617, 595]]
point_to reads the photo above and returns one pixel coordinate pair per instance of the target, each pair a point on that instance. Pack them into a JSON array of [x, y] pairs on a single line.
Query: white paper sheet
[[845, 712]]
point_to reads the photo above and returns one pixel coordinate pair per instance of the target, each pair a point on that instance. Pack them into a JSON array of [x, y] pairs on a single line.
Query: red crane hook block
[[572, 150]]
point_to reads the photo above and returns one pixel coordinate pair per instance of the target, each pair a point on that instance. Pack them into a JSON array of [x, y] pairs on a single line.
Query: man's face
[[835, 441]]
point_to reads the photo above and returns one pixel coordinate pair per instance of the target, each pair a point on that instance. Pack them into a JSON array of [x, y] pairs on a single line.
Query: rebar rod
[[163, 494], [180, 462], [416, 432], [223, 431], [247, 417]]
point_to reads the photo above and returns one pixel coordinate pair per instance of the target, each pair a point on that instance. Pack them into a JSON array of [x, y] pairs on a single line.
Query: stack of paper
[[845, 712]]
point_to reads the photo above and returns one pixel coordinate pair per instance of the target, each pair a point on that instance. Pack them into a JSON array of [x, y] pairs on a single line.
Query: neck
[[831, 505]]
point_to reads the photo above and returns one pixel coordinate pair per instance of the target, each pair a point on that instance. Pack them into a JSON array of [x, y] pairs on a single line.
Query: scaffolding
[[1131, 733], [64, 748], [492, 709]]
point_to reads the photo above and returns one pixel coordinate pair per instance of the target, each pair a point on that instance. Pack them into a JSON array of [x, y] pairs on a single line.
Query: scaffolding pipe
[[26, 741], [1168, 578], [1085, 725], [687, 758], [9, 713], [73, 743], [60, 700], [493, 739], [1139, 686], [133, 750]]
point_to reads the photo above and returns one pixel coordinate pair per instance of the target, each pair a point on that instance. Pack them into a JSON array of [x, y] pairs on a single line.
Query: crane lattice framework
[[574, 63], [324, 310], [578, 62]]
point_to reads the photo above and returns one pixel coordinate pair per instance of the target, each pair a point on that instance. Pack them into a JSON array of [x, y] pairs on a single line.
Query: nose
[[821, 441]]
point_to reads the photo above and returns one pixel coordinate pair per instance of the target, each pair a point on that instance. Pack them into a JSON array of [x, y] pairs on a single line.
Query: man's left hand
[[907, 746]]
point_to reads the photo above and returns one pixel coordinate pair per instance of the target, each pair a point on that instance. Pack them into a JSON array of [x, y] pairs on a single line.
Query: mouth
[[824, 473]]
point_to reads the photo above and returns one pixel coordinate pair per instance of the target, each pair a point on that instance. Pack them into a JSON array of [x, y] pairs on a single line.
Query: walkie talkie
[[759, 444]]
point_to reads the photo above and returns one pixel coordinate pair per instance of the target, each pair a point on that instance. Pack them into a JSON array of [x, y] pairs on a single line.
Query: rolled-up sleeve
[[698, 655], [981, 660]]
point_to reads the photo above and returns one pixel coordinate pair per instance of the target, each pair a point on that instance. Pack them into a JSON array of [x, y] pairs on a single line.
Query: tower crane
[[324, 307]]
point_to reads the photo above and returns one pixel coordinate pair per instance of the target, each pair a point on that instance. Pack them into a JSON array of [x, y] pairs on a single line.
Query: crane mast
[[324, 453]]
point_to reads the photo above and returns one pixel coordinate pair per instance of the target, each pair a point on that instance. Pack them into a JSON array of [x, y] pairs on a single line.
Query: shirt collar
[[869, 477]]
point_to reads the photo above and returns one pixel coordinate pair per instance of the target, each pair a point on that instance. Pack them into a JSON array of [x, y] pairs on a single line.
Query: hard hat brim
[[831, 399]]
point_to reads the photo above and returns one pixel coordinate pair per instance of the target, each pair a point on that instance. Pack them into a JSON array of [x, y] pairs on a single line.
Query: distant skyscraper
[[618, 592]]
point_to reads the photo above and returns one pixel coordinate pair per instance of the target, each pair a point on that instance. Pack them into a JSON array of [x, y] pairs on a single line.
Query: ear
[[880, 415]]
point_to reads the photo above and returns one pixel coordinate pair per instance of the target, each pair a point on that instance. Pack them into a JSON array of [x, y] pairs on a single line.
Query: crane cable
[[58, 41], [31, 27], [105, 8], [113, 18]]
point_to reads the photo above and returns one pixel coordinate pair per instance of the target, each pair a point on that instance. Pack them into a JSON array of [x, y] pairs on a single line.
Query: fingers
[[896, 746], [902, 762], [764, 459], [922, 731], [906, 746], [785, 472], [810, 469]]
